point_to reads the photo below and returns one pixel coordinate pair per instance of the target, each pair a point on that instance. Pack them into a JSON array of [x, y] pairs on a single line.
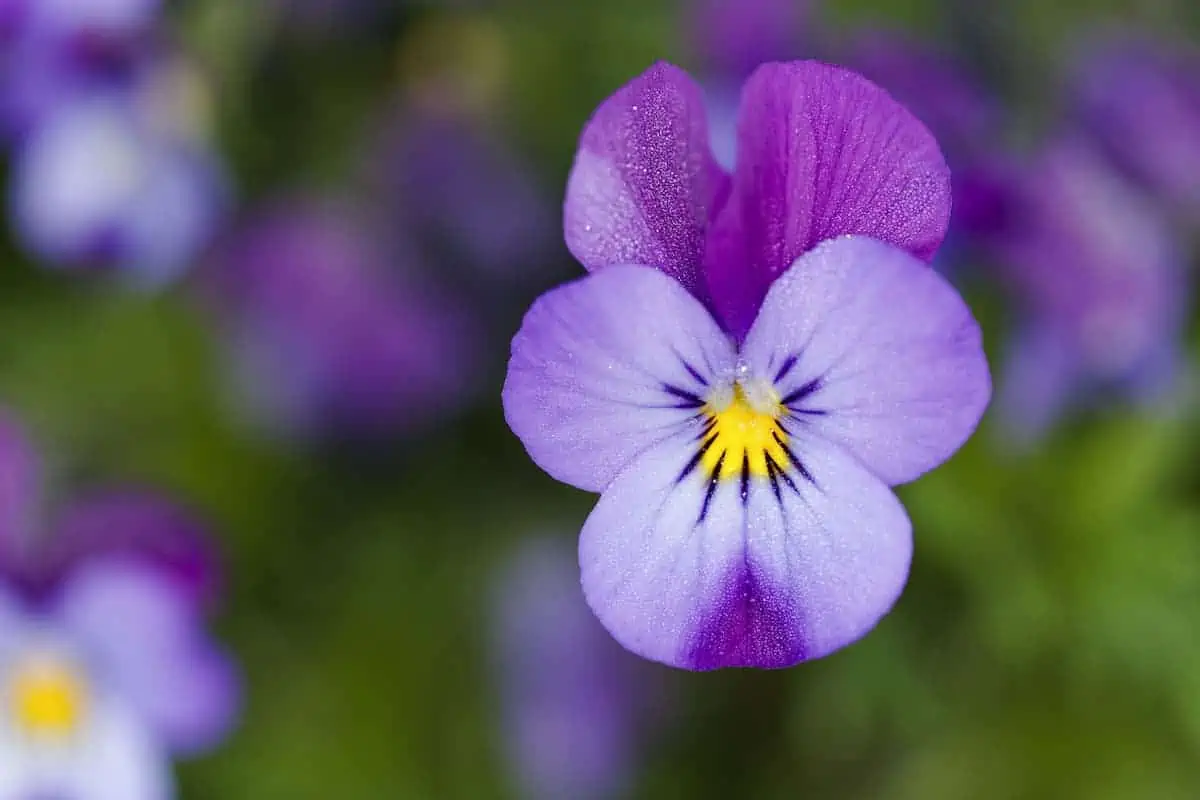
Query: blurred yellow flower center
[[744, 432], [47, 697]]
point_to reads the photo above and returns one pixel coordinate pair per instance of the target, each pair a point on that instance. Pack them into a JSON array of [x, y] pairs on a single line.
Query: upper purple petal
[[887, 360], [822, 152], [148, 640], [606, 366], [702, 573], [644, 181]]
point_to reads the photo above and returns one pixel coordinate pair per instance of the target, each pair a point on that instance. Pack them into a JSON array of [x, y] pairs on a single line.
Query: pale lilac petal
[[761, 573], [20, 490], [888, 358], [116, 758], [148, 642], [644, 181], [822, 152], [604, 367]]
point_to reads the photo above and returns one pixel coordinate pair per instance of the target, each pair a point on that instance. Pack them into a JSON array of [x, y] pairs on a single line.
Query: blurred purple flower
[[54, 50], [109, 181], [577, 709], [1101, 280], [756, 359], [1141, 99], [106, 671], [967, 119], [326, 338], [464, 197], [730, 38]]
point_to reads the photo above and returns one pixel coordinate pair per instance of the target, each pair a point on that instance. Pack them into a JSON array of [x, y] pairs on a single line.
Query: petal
[[150, 643], [700, 580], [143, 524], [20, 487], [606, 366], [822, 152], [644, 180], [117, 758], [888, 358]]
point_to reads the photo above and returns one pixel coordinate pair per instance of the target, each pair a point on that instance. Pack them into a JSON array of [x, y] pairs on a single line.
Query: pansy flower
[[120, 178], [576, 709], [754, 361], [106, 669]]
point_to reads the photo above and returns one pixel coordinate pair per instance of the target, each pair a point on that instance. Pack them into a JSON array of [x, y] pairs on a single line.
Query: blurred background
[[268, 256]]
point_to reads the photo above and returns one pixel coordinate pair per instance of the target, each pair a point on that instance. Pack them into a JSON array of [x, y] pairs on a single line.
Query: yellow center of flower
[[744, 433], [47, 697]]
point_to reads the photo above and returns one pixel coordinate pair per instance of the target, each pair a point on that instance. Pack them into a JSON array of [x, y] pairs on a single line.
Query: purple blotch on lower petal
[[753, 625]]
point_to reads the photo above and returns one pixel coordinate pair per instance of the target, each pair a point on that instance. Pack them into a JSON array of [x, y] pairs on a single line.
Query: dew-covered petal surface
[[700, 580], [644, 180], [606, 366], [116, 757], [148, 640], [822, 152], [888, 358]]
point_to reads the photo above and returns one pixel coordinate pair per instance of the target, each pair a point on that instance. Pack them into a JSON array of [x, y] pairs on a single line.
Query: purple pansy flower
[[1102, 282], [755, 359], [1141, 99], [106, 670], [576, 707], [325, 338], [108, 180]]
